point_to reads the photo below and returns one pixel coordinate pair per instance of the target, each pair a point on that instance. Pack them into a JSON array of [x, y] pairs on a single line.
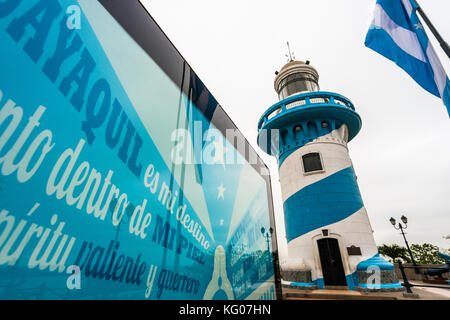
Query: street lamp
[[401, 227], [267, 235]]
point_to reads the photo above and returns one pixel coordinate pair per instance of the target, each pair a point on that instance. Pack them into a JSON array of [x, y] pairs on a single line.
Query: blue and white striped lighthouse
[[330, 239]]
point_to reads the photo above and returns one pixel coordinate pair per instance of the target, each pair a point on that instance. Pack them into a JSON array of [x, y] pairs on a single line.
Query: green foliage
[[426, 254], [394, 252]]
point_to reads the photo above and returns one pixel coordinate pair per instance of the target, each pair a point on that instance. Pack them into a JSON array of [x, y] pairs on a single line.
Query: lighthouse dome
[[296, 77]]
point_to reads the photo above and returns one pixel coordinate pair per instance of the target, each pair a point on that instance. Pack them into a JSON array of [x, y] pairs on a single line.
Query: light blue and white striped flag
[[397, 34]]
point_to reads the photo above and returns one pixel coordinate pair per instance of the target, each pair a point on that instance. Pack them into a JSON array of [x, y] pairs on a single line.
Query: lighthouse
[[328, 232]]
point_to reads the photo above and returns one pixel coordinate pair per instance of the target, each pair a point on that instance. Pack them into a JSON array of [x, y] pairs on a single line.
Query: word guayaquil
[[97, 107], [72, 66]]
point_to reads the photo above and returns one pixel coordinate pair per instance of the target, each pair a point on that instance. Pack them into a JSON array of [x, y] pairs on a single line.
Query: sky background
[[402, 153]]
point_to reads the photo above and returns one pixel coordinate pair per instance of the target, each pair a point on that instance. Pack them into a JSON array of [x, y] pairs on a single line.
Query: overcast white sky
[[402, 154]]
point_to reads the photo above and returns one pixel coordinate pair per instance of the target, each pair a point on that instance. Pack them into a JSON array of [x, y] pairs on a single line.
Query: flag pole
[[438, 37]]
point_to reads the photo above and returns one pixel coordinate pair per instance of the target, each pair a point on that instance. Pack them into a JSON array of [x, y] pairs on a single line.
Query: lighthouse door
[[330, 259]]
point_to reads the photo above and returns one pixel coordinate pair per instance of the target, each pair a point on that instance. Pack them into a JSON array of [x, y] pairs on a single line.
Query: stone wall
[[296, 276], [412, 275]]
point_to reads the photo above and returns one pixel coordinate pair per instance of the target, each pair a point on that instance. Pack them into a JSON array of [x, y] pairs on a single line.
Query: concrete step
[[336, 287]]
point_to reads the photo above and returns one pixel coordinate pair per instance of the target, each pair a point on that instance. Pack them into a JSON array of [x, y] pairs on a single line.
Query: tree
[[394, 251], [426, 254]]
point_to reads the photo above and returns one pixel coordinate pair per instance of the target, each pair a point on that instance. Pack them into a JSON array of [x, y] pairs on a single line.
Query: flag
[[397, 34]]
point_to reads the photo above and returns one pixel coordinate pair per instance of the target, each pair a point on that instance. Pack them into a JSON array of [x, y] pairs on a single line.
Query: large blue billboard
[[120, 175]]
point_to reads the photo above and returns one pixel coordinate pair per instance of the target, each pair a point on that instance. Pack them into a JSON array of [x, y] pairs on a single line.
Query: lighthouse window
[[295, 83], [312, 162]]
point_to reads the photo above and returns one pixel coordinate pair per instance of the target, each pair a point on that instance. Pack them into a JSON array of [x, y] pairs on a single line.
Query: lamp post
[[268, 235], [401, 227]]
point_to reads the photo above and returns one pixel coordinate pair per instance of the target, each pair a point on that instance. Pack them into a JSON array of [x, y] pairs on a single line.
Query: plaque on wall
[[354, 251]]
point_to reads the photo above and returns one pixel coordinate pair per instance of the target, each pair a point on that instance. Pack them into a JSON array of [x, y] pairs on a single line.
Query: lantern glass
[[404, 219]]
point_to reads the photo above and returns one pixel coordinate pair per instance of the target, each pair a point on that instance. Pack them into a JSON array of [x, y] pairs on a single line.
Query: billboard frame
[[144, 30]]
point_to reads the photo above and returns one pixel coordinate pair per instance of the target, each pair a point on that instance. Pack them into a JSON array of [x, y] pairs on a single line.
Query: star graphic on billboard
[[221, 192]]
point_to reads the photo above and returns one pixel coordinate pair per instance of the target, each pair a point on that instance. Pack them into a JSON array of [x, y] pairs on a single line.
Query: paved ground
[[328, 294], [433, 293]]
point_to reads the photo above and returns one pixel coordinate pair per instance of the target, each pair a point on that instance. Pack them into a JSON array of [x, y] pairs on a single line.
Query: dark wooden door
[[331, 261]]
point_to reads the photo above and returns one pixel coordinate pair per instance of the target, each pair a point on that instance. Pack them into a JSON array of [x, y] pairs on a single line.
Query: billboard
[[121, 177]]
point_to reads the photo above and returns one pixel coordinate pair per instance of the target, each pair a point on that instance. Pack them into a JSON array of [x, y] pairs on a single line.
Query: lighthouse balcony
[[296, 113], [311, 105]]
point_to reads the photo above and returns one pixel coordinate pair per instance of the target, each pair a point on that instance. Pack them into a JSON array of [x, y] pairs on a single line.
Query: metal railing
[[304, 100], [409, 285]]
